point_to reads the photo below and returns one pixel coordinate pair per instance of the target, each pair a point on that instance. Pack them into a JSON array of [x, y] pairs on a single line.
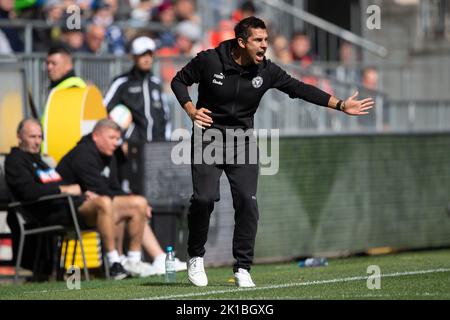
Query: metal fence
[[277, 110]]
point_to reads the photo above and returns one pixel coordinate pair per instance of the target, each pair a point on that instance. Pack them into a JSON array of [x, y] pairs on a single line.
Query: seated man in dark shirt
[[91, 165], [30, 178]]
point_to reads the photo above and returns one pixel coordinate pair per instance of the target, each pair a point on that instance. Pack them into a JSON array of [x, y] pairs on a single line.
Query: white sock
[[161, 257], [134, 256], [113, 257]]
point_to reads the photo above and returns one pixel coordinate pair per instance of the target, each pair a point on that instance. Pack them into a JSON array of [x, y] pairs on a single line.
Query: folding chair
[[24, 218]]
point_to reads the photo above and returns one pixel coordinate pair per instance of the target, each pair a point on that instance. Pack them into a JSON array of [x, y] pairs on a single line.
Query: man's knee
[[139, 203], [103, 204], [204, 200]]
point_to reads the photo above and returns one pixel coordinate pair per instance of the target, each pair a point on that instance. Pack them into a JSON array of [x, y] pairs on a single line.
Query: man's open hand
[[355, 107]]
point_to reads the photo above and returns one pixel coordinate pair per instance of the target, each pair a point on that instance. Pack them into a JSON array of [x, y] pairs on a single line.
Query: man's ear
[[94, 136], [241, 43]]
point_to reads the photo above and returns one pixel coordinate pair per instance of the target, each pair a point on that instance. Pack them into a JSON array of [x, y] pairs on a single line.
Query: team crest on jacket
[[257, 82]]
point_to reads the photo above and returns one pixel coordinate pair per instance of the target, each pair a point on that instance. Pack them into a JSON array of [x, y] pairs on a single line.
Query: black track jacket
[[24, 174], [86, 166], [232, 92], [141, 92]]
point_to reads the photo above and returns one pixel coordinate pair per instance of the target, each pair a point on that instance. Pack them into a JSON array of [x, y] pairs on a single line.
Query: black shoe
[[117, 271]]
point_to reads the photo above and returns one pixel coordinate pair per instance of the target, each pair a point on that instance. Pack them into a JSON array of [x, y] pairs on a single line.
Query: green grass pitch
[[409, 275]]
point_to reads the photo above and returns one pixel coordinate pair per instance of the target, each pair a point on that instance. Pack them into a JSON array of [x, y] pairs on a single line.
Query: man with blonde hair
[[91, 165]]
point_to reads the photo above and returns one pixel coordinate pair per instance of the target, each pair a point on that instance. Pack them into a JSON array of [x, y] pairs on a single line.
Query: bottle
[[170, 265], [313, 262]]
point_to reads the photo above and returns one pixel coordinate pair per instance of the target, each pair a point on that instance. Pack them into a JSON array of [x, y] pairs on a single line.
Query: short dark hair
[[59, 48], [242, 29], [24, 121]]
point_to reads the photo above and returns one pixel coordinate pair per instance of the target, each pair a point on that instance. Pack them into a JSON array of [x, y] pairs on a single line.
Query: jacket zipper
[[236, 94], [147, 109]]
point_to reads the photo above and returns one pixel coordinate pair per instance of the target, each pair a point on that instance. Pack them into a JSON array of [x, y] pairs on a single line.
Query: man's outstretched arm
[[351, 105], [297, 89]]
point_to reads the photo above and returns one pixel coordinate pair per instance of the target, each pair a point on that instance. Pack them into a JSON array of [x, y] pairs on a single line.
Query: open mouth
[[260, 55]]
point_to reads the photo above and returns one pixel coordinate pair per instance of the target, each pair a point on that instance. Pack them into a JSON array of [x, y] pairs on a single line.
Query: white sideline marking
[[295, 284]]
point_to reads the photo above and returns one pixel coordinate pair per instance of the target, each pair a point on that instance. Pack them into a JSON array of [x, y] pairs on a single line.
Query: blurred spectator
[[7, 13], [301, 49], [247, 9], [104, 16], [28, 9], [225, 28], [84, 4], [370, 86], [5, 47], [185, 10], [347, 54], [113, 6], [146, 127], [218, 10], [187, 43], [60, 68], [223, 31], [141, 10], [74, 38], [188, 35], [165, 14], [52, 13], [302, 56], [370, 79], [279, 51], [94, 39], [346, 69]]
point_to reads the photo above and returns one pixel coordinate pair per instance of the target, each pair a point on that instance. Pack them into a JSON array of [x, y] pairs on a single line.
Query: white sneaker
[[196, 272], [139, 269], [159, 264], [243, 279], [180, 265]]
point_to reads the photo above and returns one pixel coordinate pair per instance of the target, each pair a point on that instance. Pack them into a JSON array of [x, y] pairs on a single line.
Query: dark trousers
[[243, 179]]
